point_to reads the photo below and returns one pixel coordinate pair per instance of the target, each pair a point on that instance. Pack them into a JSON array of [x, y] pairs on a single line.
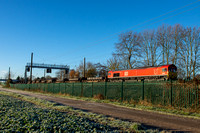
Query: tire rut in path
[[146, 118]]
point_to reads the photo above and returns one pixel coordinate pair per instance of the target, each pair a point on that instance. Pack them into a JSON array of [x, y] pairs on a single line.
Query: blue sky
[[66, 31]]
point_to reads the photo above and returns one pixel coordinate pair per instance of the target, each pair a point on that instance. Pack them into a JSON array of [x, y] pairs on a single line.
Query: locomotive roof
[[147, 67]]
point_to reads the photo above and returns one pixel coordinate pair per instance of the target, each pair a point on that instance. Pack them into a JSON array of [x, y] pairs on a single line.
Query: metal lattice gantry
[[45, 66], [50, 66], [13, 80], [3, 79]]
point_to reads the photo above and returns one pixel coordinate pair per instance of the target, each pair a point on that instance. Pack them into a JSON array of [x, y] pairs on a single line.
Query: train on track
[[160, 72], [164, 72]]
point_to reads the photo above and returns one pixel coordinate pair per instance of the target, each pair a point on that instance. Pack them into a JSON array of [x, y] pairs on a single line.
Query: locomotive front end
[[172, 72]]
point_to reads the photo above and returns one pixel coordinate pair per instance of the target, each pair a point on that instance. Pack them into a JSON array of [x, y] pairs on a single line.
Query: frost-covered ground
[[21, 116]]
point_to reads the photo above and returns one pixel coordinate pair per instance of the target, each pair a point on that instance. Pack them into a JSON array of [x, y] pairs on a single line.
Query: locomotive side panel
[[130, 73], [146, 72]]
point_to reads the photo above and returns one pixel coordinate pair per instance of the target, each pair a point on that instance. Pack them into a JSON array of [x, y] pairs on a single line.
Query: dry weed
[[99, 97]]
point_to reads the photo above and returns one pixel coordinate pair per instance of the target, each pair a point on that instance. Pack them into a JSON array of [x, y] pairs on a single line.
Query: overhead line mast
[[9, 74], [31, 67], [84, 68]]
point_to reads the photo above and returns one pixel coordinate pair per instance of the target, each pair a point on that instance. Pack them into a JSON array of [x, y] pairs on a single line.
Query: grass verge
[[141, 106]]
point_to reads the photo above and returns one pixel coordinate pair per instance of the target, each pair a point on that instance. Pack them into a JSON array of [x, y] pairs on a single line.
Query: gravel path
[[148, 119]]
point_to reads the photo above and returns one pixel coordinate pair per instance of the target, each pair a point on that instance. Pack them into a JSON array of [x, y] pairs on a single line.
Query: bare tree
[[80, 69], [72, 73], [128, 47], [180, 69], [196, 61], [61, 75], [190, 50], [101, 70], [177, 40], [150, 48], [164, 38], [90, 70], [113, 63], [77, 74]]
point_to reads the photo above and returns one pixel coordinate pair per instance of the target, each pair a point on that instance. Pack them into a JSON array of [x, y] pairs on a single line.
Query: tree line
[[167, 44]]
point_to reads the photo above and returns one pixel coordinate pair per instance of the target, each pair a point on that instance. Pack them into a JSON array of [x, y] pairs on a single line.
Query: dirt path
[[148, 119]]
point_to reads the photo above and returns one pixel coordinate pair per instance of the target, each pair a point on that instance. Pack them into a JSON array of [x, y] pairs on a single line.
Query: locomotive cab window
[[164, 70], [172, 69], [116, 75], [109, 73]]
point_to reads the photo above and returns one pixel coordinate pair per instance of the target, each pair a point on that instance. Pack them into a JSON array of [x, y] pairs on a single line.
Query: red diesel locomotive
[[160, 72]]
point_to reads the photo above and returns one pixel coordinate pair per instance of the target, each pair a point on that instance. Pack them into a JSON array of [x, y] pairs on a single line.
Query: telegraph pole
[[31, 67], [84, 68], [9, 74], [25, 75], [9, 79]]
